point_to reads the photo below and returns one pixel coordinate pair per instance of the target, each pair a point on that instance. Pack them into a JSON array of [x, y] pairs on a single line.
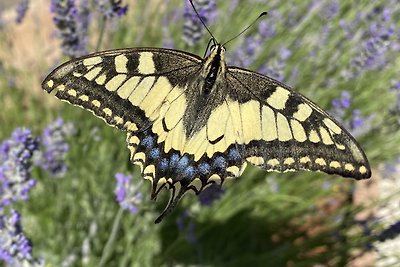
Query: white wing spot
[[278, 98], [362, 170], [289, 161], [115, 82], [72, 92], [314, 136], [320, 161], [269, 132], [84, 98], [349, 167], [305, 160], [273, 162], [334, 164], [101, 79], [303, 112], [96, 103], [284, 132], [50, 83], [120, 64], [92, 61], [118, 120], [332, 126], [107, 111], [92, 73], [215, 178], [146, 63], [326, 138], [298, 131], [61, 87], [258, 161]]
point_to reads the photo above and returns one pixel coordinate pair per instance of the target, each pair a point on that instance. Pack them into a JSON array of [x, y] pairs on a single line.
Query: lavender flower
[[22, 8], [15, 248], [52, 159], [111, 8], [356, 123], [245, 55], [193, 30], [330, 10], [187, 226], [275, 68], [210, 194], [71, 30], [126, 193], [15, 166], [374, 44]]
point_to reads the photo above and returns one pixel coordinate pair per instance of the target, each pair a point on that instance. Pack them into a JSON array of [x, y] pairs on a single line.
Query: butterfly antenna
[[248, 27], [202, 22]]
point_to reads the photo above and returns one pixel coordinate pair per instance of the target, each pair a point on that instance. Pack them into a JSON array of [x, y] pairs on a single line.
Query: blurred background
[[70, 197]]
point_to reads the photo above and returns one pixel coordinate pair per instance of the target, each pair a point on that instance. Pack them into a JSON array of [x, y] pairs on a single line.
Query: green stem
[[102, 30], [108, 248]]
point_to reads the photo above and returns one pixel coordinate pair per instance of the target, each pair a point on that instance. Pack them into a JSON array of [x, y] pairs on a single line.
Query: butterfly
[[192, 122]]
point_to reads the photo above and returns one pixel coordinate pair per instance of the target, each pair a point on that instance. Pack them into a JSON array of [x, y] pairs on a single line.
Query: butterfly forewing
[[289, 132]]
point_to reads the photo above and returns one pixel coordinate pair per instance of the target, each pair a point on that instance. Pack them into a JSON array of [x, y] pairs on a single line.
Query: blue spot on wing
[[189, 172], [182, 163], [155, 153], [173, 160], [163, 164], [234, 154], [219, 163], [204, 168], [148, 141]]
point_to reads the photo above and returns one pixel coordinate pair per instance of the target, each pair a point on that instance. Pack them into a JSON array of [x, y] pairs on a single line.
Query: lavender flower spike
[[15, 248], [52, 159], [126, 193], [193, 30], [22, 8], [111, 8], [71, 32], [15, 167]]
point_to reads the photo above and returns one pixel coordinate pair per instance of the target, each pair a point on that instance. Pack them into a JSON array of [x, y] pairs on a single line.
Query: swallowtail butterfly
[[193, 121]]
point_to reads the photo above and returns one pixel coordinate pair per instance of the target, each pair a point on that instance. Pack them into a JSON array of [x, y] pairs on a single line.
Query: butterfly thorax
[[208, 90], [213, 68]]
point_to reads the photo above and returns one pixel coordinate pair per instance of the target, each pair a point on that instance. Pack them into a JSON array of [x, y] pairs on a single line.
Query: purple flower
[[15, 166], [72, 26], [22, 7], [351, 119], [126, 193], [187, 226], [245, 55], [52, 158], [210, 194], [276, 66], [330, 10], [111, 8], [193, 30], [371, 49], [15, 247]]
